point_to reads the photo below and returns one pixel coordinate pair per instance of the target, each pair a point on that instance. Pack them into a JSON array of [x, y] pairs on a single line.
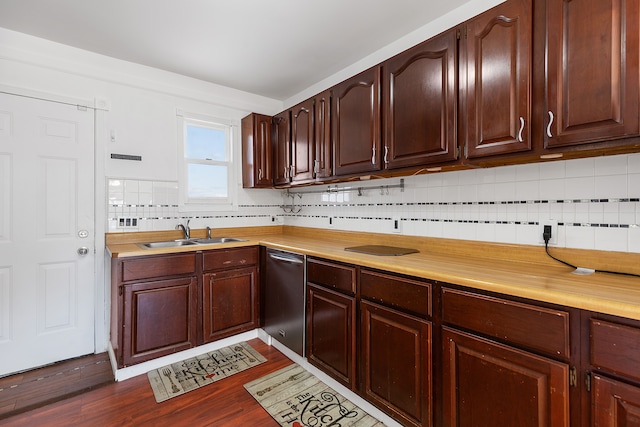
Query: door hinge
[[120, 290], [573, 376], [587, 380], [458, 34]]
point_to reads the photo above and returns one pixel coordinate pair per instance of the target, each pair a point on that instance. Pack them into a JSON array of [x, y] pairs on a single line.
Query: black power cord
[[546, 235]]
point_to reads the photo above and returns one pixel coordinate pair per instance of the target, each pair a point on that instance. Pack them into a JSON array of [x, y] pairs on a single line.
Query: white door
[[46, 217]]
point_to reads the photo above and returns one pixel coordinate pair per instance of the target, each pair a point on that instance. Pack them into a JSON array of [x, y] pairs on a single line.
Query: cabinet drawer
[[525, 325], [229, 258], [157, 266], [615, 348], [398, 292], [336, 276]]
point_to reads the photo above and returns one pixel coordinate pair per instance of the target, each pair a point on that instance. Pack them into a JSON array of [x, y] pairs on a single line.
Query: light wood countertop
[[521, 271]]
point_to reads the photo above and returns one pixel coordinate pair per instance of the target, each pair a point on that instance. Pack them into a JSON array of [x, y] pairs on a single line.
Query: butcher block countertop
[[516, 270]]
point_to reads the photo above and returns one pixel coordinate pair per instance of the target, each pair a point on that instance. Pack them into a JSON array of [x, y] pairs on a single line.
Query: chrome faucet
[[208, 232], [185, 229]]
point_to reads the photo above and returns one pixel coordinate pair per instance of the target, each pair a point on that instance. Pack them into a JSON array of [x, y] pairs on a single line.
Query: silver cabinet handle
[[316, 166], [373, 157], [521, 129], [386, 153], [286, 259], [549, 125], [83, 251], [259, 174]]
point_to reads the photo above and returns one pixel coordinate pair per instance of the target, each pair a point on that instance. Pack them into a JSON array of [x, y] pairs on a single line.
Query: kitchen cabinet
[[592, 73], [496, 82], [257, 160], [503, 362], [396, 342], [322, 163], [230, 296], [355, 122], [614, 372], [331, 319], [420, 95], [281, 136], [303, 147], [154, 306]]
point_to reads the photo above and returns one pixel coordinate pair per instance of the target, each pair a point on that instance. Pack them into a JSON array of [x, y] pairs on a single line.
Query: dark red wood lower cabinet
[[331, 333], [229, 303], [159, 318], [396, 363], [487, 384], [614, 403]]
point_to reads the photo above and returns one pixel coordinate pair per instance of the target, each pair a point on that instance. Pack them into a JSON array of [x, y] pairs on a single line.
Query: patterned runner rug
[[296, 398], [190, 374]]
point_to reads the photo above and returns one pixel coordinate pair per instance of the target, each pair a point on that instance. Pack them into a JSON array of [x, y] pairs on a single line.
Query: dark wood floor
[[131, 403]]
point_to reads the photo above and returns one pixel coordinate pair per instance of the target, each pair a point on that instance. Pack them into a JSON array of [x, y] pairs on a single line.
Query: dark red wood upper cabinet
[[281, 135], [322, 163], [355, 117], [257, 158], [302, 141], [592, 73], [497, 73], [420, 104]]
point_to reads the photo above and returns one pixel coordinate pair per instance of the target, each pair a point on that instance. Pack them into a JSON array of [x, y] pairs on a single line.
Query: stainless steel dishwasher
[[284, 310]]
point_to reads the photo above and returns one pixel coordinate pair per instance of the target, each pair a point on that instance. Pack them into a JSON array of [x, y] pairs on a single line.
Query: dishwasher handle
[[285, 258]]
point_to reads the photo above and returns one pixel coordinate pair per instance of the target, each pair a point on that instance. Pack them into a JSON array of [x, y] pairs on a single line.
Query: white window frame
[[188, 204]]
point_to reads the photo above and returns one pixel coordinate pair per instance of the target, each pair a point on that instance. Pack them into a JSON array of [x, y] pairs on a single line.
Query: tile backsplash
[[595, 201]]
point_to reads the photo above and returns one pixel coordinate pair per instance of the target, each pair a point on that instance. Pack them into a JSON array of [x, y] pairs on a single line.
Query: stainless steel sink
[[215, 240], [167, 244], [190, 242]]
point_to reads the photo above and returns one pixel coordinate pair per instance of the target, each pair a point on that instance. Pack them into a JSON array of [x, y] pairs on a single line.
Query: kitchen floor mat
[[181, 377], [296, 398]]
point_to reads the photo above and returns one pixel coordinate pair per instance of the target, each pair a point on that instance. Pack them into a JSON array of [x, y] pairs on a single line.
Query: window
[[206, 170]]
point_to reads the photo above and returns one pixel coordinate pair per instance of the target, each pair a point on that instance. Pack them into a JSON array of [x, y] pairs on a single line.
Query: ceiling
[[273, 48]]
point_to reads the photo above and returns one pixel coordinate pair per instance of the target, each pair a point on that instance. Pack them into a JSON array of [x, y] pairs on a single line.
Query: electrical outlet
[[554, 231], [396, 225], [127, 222]]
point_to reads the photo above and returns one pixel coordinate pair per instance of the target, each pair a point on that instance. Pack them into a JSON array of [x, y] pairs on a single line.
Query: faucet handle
[[208, 232]]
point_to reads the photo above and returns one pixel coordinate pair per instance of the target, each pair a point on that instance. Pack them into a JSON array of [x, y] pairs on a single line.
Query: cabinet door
[[331, 335], [498, 45], [322, 161], [420, 104], [256, 151], [302, 141], [486, 384], [230, 303], [355, 117], [396, 363], [592, 75], [615, 404], [282, 148], [159, 318]]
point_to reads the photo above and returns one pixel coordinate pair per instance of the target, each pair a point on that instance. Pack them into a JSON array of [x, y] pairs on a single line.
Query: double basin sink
[[189, 242]]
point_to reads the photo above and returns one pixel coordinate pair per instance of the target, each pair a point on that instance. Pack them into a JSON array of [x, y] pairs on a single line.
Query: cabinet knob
[[83, 251]]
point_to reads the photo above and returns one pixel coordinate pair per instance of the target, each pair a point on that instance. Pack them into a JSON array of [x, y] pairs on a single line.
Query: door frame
[[100, 107]]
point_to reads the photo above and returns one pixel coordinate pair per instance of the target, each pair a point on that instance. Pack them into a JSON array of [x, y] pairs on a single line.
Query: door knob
[[83, 250]]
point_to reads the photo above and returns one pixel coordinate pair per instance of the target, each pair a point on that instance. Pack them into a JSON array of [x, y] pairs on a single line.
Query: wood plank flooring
[[31, 389], [131, 403]]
